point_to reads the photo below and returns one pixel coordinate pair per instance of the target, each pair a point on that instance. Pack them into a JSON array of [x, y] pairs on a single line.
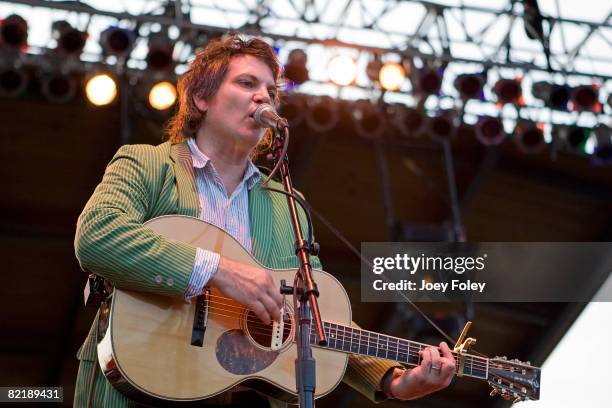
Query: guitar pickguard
[[239, 356]]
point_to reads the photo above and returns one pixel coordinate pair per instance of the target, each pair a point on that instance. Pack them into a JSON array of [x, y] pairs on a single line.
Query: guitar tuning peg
[[494, 392], [517, 399]]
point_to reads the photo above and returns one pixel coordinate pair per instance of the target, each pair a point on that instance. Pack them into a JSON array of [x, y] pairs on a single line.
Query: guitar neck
[[352, 340]]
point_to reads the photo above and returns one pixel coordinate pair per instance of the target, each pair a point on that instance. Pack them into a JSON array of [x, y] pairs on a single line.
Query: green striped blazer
[[142, 182]]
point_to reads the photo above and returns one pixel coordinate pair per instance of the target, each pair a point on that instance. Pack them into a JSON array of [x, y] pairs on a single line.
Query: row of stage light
[[342, 70], [101, 88], [373, 122]]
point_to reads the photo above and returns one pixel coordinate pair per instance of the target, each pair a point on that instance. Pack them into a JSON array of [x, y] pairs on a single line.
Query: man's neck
[[229, 161]]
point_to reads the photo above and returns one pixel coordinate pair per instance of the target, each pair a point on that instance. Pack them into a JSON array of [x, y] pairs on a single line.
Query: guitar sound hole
[[262, 333]]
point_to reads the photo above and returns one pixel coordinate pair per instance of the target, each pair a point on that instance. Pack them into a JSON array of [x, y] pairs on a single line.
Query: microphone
[[266, 117]]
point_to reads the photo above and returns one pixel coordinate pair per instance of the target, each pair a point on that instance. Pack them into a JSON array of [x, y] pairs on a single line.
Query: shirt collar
[[200, 160]]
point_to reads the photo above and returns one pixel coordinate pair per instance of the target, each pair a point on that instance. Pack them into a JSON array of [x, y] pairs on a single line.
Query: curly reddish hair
[[204, 77]]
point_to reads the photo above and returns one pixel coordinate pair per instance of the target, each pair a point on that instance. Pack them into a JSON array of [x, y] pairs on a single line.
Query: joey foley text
[[408, 265]]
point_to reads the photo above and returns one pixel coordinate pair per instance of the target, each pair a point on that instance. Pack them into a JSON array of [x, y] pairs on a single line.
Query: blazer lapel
[[260, 212], [188, 202]]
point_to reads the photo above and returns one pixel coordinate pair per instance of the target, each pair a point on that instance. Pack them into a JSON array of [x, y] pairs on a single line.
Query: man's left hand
[[434, 373]]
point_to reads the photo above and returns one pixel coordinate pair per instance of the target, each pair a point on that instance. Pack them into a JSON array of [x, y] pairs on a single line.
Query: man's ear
[[200, 103]]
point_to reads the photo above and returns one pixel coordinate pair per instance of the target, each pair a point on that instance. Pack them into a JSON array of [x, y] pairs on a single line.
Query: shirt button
[[158, 279], [169, 281]]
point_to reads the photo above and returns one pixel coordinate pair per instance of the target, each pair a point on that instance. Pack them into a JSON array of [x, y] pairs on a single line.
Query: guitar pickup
[[200, 318]]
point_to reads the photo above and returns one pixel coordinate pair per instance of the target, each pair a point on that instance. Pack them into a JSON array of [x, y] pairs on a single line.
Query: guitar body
[[145, 340]]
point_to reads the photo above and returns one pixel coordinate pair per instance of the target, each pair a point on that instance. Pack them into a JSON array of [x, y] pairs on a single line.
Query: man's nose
[[262, 96]]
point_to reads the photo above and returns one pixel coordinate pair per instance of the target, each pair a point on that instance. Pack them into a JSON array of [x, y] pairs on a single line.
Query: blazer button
[[169, 281], [158, 279]]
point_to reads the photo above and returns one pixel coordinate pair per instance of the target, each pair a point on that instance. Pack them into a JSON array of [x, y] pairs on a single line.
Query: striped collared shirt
[[229, 213]]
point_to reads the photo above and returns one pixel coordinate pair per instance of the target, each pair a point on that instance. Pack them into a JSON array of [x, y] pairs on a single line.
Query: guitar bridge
[[200, 318]]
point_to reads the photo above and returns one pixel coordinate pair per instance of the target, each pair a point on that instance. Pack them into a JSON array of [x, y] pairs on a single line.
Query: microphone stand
[[304, 287]]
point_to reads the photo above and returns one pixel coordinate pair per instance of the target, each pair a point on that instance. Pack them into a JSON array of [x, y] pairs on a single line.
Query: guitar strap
[[346, 242]]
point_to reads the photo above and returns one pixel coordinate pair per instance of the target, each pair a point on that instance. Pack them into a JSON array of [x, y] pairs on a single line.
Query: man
[[205, 171]]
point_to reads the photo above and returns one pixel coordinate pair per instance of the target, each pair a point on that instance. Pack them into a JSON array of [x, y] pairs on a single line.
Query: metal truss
[[449, 33]]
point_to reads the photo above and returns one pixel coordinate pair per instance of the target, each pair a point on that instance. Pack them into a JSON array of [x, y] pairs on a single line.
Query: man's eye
[[246, 82]]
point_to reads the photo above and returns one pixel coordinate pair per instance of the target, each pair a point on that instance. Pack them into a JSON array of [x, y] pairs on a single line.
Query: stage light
[[70, 41], [342, 70], [58, 88], [321, 113], [14, 32], [529, 137], [101, 90], [162, 95], [509, 91], [295, 68], [408, 121], [293, 109], [586, 98], [159, 55], [369, 120], [442, 126], [117, 41], [469, 86], [428, 81], [572, 138], [13, 82], [602, 153], [490, 131], [554, 96], [392, 76]]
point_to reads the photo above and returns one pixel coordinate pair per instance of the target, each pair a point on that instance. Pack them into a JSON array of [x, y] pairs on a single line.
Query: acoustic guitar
[[157, 349]]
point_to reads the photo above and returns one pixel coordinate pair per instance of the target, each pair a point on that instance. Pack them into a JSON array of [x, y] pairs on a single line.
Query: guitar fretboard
[[357, 341]]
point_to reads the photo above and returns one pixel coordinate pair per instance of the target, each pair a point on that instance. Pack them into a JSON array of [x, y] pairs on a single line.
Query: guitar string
[[392, 344], [361, 334], [408, 354], [397, 347]]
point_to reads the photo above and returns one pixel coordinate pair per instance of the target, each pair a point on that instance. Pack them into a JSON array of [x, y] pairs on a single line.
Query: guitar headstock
[[513, 379]]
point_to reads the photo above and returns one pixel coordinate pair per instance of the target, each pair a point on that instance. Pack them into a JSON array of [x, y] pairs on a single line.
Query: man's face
[[247, 83]]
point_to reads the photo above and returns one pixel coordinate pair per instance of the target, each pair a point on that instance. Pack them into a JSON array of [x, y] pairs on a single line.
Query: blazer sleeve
[[111, 239], [365, 373]]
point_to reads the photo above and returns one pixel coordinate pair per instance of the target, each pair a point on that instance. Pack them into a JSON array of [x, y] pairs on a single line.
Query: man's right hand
[[251, 286]]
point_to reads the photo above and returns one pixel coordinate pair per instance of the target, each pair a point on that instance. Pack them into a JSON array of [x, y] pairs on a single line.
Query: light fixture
[[342, 70], [509, 91], [159, 55], [408, 120], [428, 81], [469, 86], [293, 109], [101, 89], [442, 126], [490, 131], [321, 113], [369, 120], [13, 82], [529, 137], [570, 138], [162, 95], [295, 68], [70, 41], [392, 76], [14, 32], [586, 98], [58, 87], [117, 41], [602, 154], [554, 96]]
